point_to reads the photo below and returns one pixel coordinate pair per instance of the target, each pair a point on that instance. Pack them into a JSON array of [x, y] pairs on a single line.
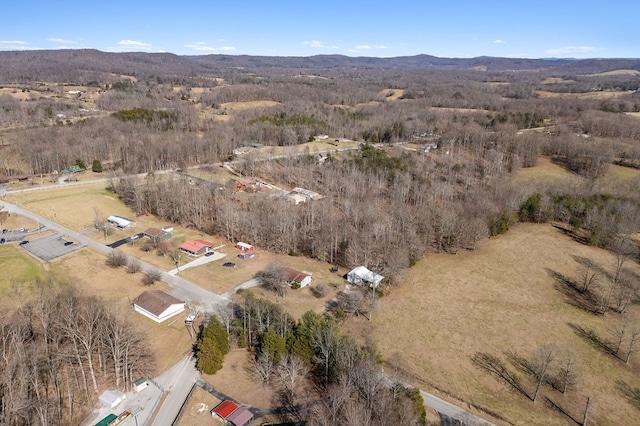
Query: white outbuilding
[[111, 398], [361, 275]]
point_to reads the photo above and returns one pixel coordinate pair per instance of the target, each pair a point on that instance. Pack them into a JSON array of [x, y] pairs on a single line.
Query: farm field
[[498, 299]]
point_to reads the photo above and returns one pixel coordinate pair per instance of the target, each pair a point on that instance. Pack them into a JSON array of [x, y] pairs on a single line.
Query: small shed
[[140, 384], [224, 409], [246, 255], [107, 420], [361, 275], [240, 417], [111, 398], [157, 305], [245, 247]]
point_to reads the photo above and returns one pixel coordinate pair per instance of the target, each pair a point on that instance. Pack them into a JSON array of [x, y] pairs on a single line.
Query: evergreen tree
[[97, 166], [273, 344], [209, 357], [218, 333]]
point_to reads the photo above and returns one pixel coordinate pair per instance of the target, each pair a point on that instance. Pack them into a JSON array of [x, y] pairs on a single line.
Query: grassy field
[[17, 269], [498, 299]]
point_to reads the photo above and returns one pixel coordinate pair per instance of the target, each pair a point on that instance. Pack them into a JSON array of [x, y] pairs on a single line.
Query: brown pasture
[[497, 299], [241, 106], [586, 95]]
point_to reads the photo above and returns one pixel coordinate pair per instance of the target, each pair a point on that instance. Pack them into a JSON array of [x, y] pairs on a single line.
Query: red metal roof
[[194, 246], [225, 409]]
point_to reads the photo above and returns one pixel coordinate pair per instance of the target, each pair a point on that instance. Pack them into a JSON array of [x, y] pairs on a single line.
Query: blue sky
[[445, 28]]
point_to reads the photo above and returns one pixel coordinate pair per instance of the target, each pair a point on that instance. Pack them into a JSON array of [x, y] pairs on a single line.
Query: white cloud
[[201, 46], [61, 40], [498, 41], [133, 45], [15, 45], [570, 50], [318, 44], [369, 47]]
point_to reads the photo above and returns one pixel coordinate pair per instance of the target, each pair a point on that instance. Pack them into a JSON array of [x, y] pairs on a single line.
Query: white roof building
[[120, 222], [111, 398], [361, 275]]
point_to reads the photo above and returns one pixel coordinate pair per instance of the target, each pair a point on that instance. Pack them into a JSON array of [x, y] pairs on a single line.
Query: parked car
[[210, 253], [68, 243], [24, 242], [229, 264]]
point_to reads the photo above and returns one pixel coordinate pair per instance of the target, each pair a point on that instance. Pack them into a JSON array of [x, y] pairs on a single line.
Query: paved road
[[452, 411], [177, 383]]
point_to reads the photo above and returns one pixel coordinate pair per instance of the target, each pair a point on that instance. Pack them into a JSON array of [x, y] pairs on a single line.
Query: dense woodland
[[384, 206], [59, 348]]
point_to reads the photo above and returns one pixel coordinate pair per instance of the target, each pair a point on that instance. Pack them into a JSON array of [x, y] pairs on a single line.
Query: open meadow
[[502, 300]]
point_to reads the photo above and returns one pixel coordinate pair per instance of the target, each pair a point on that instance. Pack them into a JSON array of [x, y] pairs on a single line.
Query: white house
[[157, 305], [302, 278], [361, 275], [120, 222]]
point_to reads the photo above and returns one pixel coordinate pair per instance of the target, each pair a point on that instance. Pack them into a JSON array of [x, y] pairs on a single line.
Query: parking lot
[[51, 247], [11, 235]]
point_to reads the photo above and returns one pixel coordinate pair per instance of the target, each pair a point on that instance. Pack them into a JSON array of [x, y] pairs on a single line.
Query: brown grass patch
[[633, 114], [556, 80], [241, 106], [499, 298], [197, 411], [462, 110], [392, 94], [615, 72], [235, 381], [585, 95]]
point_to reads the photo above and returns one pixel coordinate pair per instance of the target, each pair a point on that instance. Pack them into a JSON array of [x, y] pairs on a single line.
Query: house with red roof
[[196, 247]]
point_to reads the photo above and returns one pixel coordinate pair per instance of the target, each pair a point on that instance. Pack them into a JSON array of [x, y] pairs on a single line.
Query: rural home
[[157, 305], [120, 222], [111, 398], [196, 247], [232, 413], [245, 247], [292, 277], [252, 185], [157, 235], [308, 193], [296, 198], [361, 275]]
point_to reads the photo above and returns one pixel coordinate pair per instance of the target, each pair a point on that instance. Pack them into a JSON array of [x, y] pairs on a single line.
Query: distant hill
[[88, 64]]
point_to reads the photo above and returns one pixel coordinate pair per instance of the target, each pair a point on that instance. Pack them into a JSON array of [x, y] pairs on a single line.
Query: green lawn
[[17, 268]]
